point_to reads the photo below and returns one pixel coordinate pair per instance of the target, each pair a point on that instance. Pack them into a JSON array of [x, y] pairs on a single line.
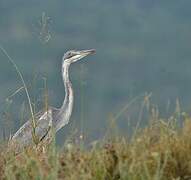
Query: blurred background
[[143, 47]]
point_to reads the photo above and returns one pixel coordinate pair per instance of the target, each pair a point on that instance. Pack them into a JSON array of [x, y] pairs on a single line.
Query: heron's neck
[[67, 106], [68, 85], [66, 79]]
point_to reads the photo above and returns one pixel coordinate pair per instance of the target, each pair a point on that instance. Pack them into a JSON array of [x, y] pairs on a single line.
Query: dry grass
[[159, 151]]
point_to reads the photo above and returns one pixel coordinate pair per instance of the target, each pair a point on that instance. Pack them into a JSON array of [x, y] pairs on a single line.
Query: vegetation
[[162, 150]]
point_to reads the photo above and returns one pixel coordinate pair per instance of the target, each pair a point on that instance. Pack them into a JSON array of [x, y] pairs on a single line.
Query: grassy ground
[[159, 151]]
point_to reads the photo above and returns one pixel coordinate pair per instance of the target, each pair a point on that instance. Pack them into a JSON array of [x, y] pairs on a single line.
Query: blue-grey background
[[142, 46]]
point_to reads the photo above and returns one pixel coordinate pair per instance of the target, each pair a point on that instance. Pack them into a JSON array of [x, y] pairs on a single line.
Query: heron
[[52, 118]]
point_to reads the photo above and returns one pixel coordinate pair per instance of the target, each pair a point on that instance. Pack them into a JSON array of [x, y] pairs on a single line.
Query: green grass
[[159, 151]]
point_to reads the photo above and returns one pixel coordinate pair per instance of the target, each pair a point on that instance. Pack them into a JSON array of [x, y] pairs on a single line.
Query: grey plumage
[[52, 118]]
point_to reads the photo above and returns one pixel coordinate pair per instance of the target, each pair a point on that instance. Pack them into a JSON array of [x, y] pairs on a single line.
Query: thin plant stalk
[[35, 140]]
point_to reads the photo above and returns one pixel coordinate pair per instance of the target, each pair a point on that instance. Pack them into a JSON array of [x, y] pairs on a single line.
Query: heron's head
[[74, 55]]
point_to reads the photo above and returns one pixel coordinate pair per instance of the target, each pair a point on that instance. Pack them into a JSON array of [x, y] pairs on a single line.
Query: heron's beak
[[81, 54], [87, 52]]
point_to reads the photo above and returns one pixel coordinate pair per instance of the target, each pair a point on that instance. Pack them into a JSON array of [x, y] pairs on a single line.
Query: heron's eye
[[70, 55]]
